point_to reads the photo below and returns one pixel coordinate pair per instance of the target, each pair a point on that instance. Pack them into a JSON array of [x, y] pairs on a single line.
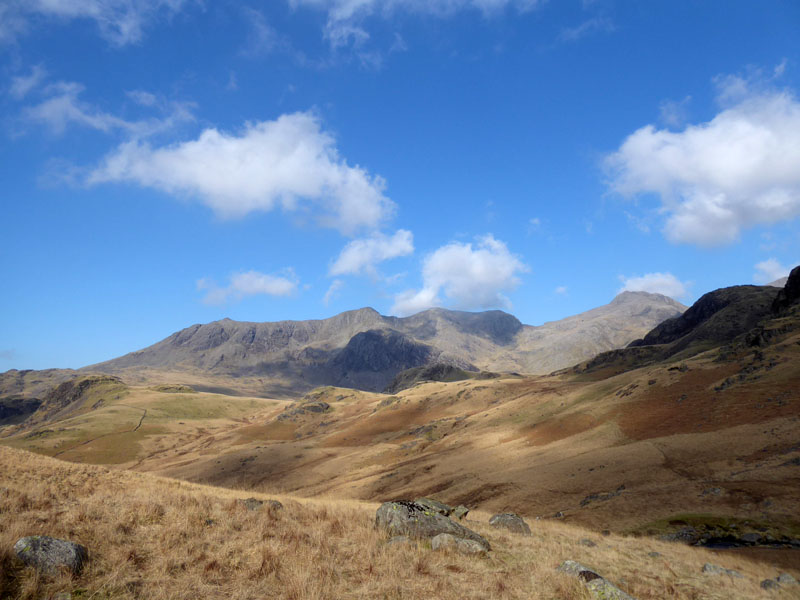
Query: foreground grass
[[157, 538]]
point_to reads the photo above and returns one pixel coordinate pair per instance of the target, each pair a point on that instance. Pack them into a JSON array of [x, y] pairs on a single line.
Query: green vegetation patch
[[720, 526]]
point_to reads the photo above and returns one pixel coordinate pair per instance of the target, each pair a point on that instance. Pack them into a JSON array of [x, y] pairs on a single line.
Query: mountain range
[[365, 350]]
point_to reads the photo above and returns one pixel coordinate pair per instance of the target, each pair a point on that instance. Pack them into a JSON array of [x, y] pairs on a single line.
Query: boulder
[[597, 585], [416, 521], [448, 541], [786, 579], [50, 555], [460, 512], [398, 540], [770, 584], [435, 505], [510, 521], [710, 569]]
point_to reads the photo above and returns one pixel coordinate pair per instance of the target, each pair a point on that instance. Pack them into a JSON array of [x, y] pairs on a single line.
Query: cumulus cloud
[[770, 270], [120, 21], [288, 163], [345, 16], [468, 276], [714, 179], [250, 283], [655, 283], [363, 255]]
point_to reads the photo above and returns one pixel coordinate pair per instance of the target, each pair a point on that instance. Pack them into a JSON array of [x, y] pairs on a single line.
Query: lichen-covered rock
[[416, 521], [50, 555], [786, 579], [598, 586], [460, 512], [398, 540], [435, 505], [510, 521], [448, 541]]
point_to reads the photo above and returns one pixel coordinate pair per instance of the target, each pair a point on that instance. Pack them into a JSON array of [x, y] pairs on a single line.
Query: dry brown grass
[[157, 538]]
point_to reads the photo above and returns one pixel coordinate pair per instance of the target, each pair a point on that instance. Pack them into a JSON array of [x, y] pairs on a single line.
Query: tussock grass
[[156, 538]]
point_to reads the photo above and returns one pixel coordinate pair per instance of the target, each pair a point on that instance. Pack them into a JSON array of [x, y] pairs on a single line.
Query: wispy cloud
[[588, 27], [717, 178], [346, 17], [121, 22], [289, 163], [62, 106], [468, 276], [333, 291], [250, 283], [21, 85]]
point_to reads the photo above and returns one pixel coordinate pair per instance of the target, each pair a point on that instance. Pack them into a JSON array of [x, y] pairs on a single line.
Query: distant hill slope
[[365, 350]]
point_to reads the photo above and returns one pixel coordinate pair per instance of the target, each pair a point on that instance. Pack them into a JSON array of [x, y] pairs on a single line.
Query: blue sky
[[169, 162]]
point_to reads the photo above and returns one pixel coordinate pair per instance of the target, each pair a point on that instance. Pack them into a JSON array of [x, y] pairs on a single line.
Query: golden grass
[[156, 538]]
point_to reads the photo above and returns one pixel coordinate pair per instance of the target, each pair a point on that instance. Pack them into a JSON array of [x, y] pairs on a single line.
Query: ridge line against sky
[[174, 161]]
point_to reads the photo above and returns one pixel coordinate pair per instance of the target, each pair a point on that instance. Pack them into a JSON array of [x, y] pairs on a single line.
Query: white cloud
[[561, 290], [288, 163], [120, 21], [345, 16], [23, 84], [63, 107], [769, 270], [333, 291], [715, 179], [250, 283], [470, 277], [363, 255], [655, 283]]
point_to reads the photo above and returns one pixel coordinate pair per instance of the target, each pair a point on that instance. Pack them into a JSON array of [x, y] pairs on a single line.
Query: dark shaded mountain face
[[716, 317], [742, 316]]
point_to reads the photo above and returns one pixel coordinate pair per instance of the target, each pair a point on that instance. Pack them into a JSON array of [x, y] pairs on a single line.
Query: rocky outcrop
[[51, 555], [435, 372], [256, 504], [510, 521], [790, 294], [598, 586], [415, 521]]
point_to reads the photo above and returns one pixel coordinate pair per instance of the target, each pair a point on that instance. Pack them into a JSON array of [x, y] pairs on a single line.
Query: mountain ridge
[[305, 354]]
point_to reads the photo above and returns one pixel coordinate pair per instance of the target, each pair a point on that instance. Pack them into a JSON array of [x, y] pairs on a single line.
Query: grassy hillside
[[156, 538]]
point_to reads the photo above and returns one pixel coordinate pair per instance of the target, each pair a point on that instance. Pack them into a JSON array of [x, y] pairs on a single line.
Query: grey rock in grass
[[510, 521], [598, 586], [416, 521], [711, 569], [786, 579], [255, 504], [435, 505], [50, 555], [588, 543], [770, 584], [448, 541], [654, 554], [460, 512]]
